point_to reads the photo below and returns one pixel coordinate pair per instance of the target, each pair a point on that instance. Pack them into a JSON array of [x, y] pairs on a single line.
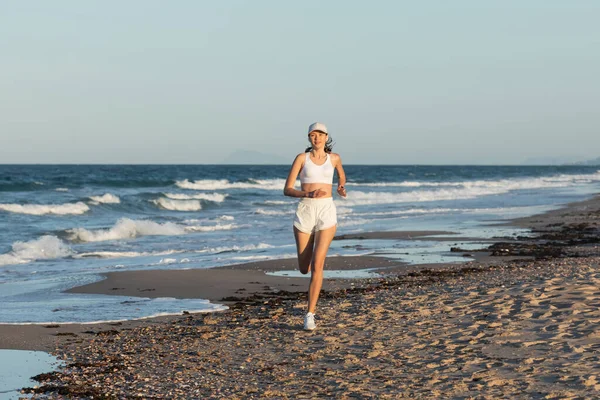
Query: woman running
[[316, 219]]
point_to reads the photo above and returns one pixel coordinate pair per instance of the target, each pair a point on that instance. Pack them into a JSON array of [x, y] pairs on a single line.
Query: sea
[[64, 225]]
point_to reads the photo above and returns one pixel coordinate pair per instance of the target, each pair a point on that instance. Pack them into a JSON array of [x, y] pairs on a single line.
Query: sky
[[396, 82]]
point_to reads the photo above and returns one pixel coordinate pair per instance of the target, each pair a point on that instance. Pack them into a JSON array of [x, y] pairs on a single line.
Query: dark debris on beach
[[554, 241]]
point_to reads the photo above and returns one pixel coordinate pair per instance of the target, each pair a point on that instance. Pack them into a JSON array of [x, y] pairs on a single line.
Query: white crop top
[[313, 173]]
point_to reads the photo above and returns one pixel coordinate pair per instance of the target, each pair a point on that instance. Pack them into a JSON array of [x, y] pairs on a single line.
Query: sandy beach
[[520, 322]]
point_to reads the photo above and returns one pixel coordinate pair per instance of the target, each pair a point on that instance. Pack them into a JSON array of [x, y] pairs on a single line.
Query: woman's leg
[[304, 245], [322, 241]]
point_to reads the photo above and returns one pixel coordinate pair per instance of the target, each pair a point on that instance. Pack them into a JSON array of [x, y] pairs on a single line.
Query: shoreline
[[247, 282], [466, 291], [228, 285]]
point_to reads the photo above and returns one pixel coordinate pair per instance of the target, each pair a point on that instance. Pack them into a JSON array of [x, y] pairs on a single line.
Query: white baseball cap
[[317, 126]]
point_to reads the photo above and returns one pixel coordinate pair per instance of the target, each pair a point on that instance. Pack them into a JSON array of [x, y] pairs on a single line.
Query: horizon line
[[278, 164]]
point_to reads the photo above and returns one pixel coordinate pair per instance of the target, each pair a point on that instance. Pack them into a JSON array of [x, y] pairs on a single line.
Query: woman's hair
[[328, 145]]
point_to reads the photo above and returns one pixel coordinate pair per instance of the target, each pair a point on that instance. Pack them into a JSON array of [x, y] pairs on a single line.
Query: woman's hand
[[317, 193], [341, 191]]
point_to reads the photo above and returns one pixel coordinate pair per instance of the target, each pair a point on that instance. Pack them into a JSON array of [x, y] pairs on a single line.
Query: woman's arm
[[289, 190], [341, 189]]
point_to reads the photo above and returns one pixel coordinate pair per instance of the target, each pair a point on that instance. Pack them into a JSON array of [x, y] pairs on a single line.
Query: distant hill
[[559, 161], [254, 157], [595, 161], [548, 161]]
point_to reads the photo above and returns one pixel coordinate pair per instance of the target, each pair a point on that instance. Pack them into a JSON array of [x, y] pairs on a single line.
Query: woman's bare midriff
[[310, 187]]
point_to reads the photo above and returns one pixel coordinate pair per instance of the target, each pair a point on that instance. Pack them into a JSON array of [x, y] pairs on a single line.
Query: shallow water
[[18, 366]]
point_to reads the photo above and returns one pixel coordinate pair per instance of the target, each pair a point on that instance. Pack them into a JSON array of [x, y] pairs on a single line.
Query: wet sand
[[221, 284], [522, 323]]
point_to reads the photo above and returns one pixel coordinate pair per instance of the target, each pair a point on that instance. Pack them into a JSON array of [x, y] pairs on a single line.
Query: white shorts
[[315, 215]]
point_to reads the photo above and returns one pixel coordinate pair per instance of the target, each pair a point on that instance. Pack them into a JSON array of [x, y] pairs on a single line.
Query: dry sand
[[500, 329]]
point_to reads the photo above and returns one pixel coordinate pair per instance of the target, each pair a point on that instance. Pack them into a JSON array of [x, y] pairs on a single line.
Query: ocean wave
[[341, 210], [43, 209], [250, 247], [214, 197], [261, 211], [125, 228], [262, 257], [353, 221], [167, 261], [221, 184], [199, 228], [404, 184], [44, 248], [469, 190], [195, 221], [276, 203], [527, 183], [107, 198], [61, 189], [356, 198], [413, 211], [178, 205], [124, 254]]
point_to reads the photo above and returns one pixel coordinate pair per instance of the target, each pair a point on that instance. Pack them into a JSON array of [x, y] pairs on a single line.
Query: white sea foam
[[342, 210], [124, 254], [42, 209], [171, 261], [260, 246], [126, 228], [262, 211], [250, 258], [199, 228], [178, 205], [262, 257], [499, 210], [106, 198], [46, 247], [206, 305], [111, 254], [468, 190], [405, 184], [353, 222], [526, 183], [62, 189], [413, 211], [277, 203], [214, 197], [167, 261], [201, 221], [220, 184], [363, 198]]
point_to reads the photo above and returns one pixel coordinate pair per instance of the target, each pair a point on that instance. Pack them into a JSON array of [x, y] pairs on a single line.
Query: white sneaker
[[309, 322]]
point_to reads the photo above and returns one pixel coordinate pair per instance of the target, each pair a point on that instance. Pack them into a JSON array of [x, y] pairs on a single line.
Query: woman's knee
[[304, 267], [304, 261]]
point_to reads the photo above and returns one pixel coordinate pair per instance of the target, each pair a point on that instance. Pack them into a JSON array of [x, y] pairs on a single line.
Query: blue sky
[[397, 82]]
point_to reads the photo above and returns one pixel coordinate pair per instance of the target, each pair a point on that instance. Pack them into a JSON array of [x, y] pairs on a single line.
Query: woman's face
[[317, 139]]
